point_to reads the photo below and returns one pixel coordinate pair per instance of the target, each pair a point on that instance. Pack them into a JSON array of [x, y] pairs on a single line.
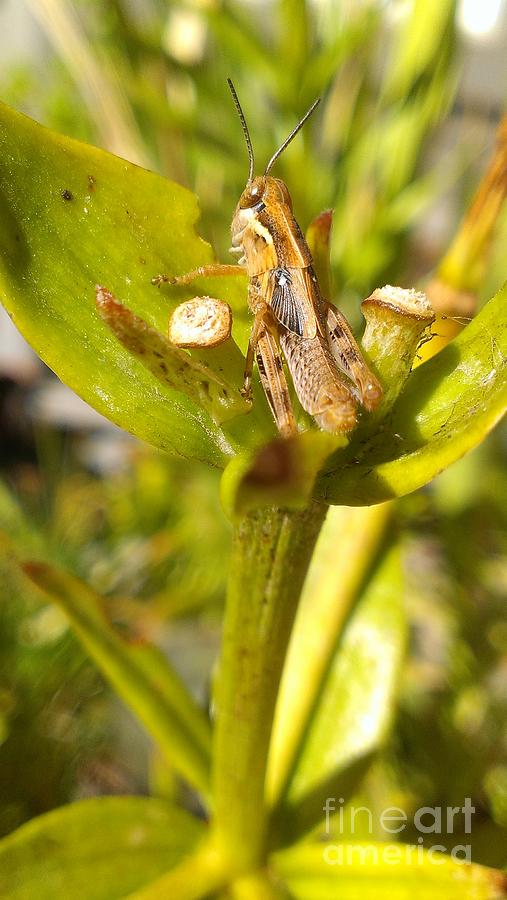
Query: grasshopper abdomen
[[319, 387]]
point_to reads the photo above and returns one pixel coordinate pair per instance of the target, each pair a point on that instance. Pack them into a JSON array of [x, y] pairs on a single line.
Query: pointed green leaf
[[98, 849], [392, 871], [318, 235], [345, 552], [355, 704], [138, 671]]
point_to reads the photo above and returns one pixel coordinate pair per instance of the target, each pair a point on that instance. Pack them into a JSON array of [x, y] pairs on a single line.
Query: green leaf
[[241, 42], [318, 236], [354, 707], [447, 407], [384, 872], [200, 874], [138, 671], [417, 46], [71, 217], [294, 35], [345, 552], [98, 849]]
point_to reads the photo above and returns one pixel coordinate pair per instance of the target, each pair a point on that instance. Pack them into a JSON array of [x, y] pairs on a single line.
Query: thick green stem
[[272, 549]]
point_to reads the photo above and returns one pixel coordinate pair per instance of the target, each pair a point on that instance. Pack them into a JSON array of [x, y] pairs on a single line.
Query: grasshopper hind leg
[[349, 358], [274, 383], [264, 347]]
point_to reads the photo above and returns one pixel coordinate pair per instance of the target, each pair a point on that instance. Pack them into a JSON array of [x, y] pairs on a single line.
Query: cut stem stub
[[201, 322], [395, 321]]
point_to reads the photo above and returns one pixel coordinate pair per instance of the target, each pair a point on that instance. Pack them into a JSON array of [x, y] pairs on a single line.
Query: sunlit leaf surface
[[99, 849], [71, 217], [369, 871], [355, 703]]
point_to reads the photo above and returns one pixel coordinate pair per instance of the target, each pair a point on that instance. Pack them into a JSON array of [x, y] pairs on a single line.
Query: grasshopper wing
[[290, 294]]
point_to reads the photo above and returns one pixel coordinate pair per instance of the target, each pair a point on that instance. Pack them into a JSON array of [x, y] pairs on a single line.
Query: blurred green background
[[412, 93]]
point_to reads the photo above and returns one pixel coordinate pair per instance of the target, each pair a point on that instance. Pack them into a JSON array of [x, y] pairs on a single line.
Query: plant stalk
[[272, 549]]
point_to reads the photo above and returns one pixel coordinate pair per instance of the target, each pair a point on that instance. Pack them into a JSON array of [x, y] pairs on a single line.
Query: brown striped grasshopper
[[329, 373]]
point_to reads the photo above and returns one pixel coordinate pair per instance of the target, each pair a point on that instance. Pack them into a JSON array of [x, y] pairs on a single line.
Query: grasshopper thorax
[[262, 216]]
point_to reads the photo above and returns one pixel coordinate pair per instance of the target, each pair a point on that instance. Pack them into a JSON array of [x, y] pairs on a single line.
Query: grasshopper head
[[260, 200], [264, 191], [251, 203]]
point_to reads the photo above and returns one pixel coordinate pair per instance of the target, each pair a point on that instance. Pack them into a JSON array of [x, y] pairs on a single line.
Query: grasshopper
[[328, 371]]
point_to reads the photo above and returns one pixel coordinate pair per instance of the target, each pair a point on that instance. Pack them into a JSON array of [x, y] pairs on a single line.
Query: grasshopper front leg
[[211, 271]]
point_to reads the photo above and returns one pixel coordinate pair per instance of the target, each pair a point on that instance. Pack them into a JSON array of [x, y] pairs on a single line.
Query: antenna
[[291, 136], [245, 129]]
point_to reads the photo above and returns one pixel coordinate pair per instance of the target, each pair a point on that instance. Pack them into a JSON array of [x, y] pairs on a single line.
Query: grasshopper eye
[[252, 196]]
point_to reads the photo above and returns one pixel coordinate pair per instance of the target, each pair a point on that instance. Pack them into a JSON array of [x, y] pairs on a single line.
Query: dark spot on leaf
[[91, 183], [128, 214], [158, 354], [67, 195], [205, 387], [163, 368], [142, 260]]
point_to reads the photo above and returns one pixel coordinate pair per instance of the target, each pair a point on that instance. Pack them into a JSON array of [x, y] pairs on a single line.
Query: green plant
[[72, 217], [81, 191]]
